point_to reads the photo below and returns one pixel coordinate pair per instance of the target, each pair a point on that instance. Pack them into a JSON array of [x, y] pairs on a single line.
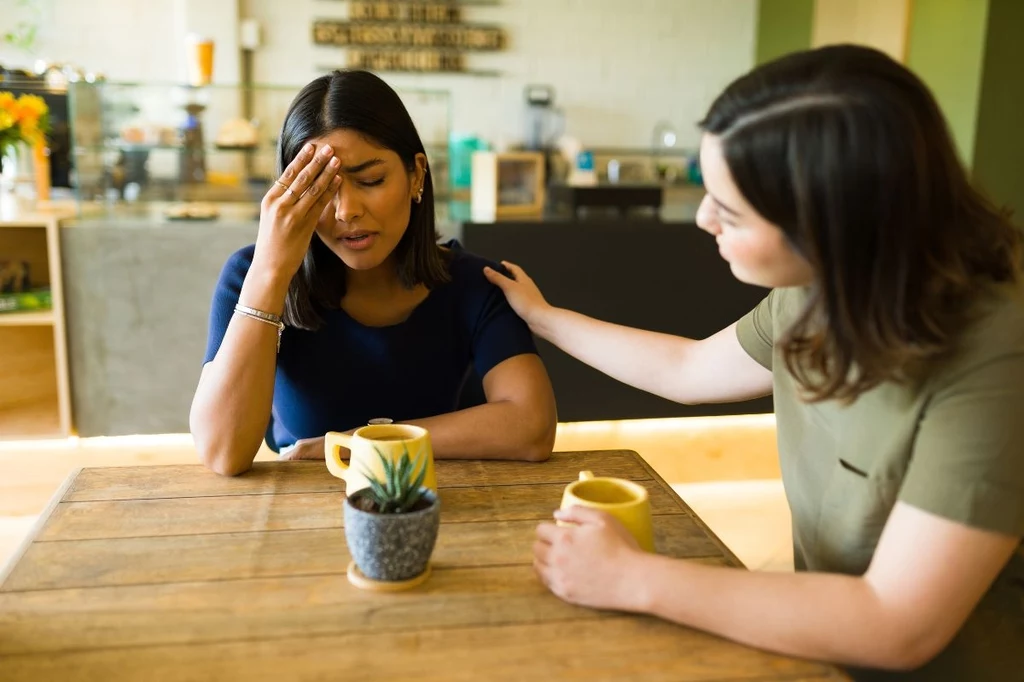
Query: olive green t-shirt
[[953, 446]]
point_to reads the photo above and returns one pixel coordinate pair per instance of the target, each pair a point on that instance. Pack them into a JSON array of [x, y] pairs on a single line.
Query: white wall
[[617, 67], [128, 40]]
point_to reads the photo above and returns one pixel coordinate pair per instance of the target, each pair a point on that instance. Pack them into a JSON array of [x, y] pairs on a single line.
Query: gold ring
[[278, 182]]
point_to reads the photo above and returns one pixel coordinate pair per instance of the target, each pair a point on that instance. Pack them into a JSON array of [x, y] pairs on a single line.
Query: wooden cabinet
[[882, 24], [507, 184], [35, 400]]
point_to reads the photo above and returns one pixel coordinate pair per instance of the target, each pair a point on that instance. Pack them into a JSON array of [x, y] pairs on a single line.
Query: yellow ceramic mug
[[626, 501], [390, 440]]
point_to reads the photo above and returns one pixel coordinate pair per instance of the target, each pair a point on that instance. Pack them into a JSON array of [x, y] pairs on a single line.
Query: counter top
[[16, 211], [679, 205]]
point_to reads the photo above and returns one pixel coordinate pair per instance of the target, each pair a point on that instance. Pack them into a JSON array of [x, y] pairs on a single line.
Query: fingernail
[[334, 162], [327, 150], [308, 148]]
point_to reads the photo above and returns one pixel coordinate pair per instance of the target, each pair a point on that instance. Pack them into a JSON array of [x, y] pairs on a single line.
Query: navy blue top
[[344, 374]]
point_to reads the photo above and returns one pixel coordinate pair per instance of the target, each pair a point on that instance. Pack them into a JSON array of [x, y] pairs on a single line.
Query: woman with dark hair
[[347, 308], [893, 344]]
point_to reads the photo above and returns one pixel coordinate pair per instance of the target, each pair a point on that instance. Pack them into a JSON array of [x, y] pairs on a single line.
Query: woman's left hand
[[591, 563], [306, 448], [310, 448]]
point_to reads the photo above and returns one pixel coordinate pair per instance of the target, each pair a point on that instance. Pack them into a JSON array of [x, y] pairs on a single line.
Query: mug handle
[[584, 476], [333, 442]]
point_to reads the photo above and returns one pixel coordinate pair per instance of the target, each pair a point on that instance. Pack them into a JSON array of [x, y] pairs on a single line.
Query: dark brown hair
[[847, 152], [362, 102]]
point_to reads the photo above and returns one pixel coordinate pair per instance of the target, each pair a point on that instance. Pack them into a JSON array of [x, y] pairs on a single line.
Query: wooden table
[[175, 573]]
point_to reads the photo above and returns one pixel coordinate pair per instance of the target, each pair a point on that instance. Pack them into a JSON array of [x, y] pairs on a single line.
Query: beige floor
[[726, 468]]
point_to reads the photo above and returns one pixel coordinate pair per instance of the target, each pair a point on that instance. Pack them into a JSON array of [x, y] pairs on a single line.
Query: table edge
[[44, 516], [696, 517]]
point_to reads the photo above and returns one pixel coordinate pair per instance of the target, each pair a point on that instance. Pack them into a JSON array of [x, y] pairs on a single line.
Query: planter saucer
[[356, 577]]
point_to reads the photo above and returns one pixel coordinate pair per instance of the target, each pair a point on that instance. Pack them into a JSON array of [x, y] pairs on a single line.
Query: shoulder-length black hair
[[848, 153], [361, 102]]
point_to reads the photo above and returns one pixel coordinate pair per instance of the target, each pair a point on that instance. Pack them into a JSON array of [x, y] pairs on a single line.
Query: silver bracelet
[[264, 317], [246, 310]]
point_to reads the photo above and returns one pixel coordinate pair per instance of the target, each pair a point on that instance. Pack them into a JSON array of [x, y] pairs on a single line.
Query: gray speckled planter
[[392, 547]]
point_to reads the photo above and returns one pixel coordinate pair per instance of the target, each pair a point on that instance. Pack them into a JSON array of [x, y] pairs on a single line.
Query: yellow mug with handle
[[627, 501], [368, 443]]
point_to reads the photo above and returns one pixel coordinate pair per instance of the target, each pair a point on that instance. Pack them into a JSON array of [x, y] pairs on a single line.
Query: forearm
[[821, 616], [232, 404], [644, 359], [495, 430]]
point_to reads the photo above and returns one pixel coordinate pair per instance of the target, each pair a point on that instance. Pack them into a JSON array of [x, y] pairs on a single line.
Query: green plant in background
[[399, 491], [23, 35]]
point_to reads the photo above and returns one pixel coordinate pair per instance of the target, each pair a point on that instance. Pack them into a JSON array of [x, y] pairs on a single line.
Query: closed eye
[[372, 183]]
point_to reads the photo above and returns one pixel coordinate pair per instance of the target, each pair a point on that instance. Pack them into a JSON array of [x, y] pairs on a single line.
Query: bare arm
[[518, 420], [231, 407], [927, 575], [712, 370], [715, 369]]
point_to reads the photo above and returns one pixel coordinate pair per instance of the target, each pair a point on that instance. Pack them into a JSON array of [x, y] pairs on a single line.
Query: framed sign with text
[[403, 35]]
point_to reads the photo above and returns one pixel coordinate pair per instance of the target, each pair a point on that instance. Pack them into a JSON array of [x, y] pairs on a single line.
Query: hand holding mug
[[604, 534], [591, 560]]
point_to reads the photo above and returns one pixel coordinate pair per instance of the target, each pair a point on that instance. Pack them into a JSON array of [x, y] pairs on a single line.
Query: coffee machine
[[544, 124]]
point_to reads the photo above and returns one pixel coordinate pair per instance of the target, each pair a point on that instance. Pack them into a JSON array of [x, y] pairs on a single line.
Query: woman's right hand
[[521, 292], [291, 208]]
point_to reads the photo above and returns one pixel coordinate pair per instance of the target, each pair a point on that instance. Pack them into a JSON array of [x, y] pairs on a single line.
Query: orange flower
[[31, 108], [31, 134], [25, 119], [8, 116]]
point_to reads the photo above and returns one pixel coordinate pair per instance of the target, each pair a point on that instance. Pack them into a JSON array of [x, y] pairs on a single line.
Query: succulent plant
[[400, 490]]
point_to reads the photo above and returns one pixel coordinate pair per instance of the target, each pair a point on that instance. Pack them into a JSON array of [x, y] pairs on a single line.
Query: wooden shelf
[[34, 419], [479, 73], [35, 395], [37, 318]]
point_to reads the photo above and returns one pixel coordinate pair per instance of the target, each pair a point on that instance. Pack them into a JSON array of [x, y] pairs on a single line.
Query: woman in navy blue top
[[347, 308]]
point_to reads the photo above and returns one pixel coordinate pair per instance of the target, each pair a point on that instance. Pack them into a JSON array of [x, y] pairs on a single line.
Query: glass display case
[[188, 149]]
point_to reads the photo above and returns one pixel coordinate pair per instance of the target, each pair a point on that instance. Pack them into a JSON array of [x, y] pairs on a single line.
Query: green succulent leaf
[[379, 494], [418, 481], [393, 483], [400, 486]]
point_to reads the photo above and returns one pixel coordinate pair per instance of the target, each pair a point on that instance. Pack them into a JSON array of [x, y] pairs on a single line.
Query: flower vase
[[41, 172], [7, 172]]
